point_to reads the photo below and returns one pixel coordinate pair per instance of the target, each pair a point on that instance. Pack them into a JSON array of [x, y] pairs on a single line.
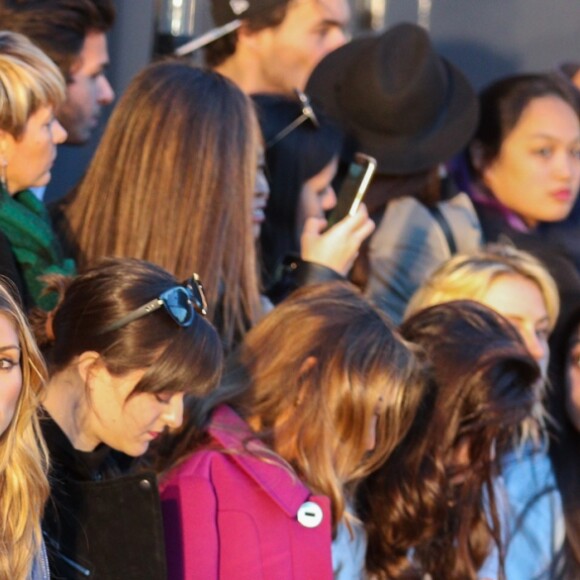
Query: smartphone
[[353, 187]]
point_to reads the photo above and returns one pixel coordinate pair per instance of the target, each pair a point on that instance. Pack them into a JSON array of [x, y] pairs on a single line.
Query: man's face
[[289, 52], [87, 91]]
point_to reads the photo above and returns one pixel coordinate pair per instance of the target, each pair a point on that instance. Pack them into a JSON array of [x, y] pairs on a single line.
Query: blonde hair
[[29, 80], [469, 276], [23, 458]]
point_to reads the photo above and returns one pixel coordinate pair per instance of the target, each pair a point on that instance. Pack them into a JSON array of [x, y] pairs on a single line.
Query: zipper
[[46, 571]]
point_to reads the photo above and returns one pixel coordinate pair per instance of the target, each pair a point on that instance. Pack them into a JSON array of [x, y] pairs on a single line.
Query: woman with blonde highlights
[[172, 182], [320, 393], [23, 457], [31, 89]]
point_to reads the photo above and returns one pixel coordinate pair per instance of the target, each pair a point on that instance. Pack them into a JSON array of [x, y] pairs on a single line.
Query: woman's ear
[[477, 156], [89, 364], [305, 369], [7, 142]]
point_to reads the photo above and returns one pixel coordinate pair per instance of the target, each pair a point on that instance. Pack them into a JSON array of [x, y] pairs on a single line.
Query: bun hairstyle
[[177, 358]]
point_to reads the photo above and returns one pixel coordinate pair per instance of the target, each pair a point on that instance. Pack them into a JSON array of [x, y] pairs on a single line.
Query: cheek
[[141, 414], [11, 388], [573, 396], [504, 178]]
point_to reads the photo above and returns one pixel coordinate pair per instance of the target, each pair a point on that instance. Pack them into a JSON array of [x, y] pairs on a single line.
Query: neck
[[244, 70], [66, 402]]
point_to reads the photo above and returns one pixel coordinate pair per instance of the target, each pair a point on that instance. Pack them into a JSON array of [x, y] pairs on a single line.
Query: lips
[[563, 195], [258, 215], [153, 434]]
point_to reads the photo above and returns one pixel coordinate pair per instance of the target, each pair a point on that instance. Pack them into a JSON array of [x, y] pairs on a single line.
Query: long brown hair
[[421, 498], [318, 417], [172, 183]]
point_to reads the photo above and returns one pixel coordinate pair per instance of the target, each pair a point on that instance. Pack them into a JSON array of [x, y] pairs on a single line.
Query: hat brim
[[395, 154]]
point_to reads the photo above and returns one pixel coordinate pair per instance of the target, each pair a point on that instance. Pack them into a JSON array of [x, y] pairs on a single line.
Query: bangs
[[25, 87], [191, 363]]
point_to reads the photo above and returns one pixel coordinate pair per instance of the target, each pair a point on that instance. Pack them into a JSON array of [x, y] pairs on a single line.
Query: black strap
[[444, 225]]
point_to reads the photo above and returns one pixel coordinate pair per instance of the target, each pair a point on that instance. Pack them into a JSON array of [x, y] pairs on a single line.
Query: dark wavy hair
[[176, 358], [290, 162], [564, 437], [421, 499]]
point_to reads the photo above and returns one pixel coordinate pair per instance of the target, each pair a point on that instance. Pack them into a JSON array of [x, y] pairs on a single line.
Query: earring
[[3, 166], [3, 178]]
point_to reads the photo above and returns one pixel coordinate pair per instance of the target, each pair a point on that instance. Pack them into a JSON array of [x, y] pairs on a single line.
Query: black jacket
[[100, 523], [553, 255]]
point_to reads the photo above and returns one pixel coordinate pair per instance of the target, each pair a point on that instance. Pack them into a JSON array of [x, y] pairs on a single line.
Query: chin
[[135, 450], [556, 216]]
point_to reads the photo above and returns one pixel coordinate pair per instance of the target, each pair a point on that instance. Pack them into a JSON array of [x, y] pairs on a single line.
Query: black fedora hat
[[401, 102]]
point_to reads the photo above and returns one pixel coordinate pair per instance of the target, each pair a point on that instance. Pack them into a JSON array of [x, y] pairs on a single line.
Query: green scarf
[[25, 221]]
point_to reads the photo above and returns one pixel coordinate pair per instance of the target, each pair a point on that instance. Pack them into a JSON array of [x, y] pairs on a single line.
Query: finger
[[365, 230], [313, 226]]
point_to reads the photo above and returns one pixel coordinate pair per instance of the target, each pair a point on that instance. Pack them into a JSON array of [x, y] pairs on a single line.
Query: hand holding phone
[[353, 187]]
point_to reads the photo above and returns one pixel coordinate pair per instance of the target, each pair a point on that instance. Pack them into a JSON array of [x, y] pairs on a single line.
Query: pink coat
[[237, 516]]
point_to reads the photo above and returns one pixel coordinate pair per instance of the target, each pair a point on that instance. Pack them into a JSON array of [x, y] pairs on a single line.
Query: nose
[[59, 133], [336, 39], [574, 168], [328, 199], [565, 165], [262, 188], [106, 94], [173, 415]]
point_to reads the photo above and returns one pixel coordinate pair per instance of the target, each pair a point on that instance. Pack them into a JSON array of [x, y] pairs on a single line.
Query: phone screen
[[353, 187]]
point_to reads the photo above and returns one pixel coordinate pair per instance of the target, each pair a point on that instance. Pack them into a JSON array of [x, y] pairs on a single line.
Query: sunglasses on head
[[307, 114], [181, 303]]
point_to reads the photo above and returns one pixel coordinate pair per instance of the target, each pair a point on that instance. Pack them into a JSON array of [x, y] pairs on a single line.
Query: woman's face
[[29, 159], [573, 379], [317, 195], [10, 372], [521, 301], [537, 171], [261, 195], [129, 423]]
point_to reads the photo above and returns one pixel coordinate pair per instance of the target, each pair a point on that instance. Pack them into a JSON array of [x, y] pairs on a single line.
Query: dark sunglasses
[[307, 114], [181, 303]]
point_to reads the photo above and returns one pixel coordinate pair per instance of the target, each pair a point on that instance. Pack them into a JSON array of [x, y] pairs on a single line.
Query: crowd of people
[[201, 377]]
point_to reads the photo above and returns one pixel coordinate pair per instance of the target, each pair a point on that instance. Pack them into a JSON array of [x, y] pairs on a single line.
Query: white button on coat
[[310, 514]]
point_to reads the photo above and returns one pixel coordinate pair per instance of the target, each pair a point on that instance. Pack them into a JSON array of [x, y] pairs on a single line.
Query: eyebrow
[[10, 347], [552, 137], [522, 318]]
